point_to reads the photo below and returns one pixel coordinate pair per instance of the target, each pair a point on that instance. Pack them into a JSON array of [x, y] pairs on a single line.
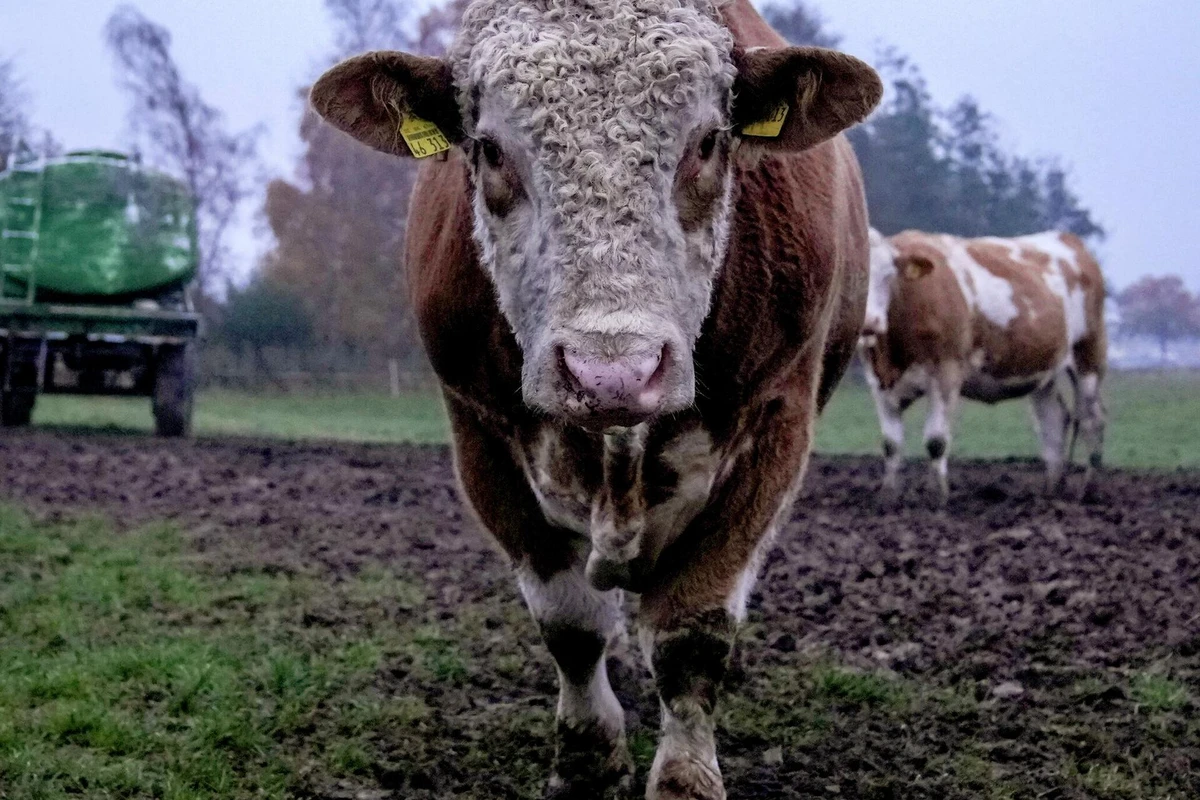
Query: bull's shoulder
[[794, 281], [468, 342]]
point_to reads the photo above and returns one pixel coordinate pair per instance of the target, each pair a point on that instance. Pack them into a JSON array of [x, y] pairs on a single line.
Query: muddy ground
[[1013, 646]]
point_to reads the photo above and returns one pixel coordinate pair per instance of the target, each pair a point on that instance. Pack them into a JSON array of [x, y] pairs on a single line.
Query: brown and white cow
[[987, 319], [636, 309]]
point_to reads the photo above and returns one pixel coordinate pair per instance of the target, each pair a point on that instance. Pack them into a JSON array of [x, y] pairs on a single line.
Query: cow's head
[[601, 137]]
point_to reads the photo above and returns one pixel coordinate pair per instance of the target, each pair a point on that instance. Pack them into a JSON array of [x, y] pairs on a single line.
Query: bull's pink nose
[[624, 384]]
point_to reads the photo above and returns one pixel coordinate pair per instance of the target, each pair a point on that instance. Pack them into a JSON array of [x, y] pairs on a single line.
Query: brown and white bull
[[636, 309], [986, 319]]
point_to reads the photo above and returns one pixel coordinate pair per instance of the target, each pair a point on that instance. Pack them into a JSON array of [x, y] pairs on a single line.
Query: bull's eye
[[708, 145], [492, 153]]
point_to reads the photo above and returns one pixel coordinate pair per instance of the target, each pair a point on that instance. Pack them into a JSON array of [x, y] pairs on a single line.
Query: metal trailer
[[73, 322]]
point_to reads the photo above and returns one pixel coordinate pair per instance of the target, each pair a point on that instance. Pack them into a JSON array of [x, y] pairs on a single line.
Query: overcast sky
[[1110, 86]]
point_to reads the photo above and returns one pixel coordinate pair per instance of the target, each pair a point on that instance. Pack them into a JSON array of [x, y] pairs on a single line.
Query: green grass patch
[[1151, 420], [128, 670], [1154, 692], [1151, 423], [791, 707], [414, 417]]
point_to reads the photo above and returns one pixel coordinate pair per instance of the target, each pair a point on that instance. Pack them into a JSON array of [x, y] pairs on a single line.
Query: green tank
[[96, 226]]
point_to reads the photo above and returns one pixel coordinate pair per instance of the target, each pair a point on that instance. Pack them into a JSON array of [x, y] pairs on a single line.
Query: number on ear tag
[[770, 127], [424, 138]]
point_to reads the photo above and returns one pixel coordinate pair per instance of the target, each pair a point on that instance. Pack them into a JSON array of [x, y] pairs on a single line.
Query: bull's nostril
[[627, 381]]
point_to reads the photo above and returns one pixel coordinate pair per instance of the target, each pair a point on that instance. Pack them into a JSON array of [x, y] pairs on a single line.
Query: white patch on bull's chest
[[989, 295], [694, 460], [559, 489], [560, 493]]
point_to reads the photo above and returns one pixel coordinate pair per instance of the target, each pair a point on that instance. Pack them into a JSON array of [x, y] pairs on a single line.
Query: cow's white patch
[[988, 294], [568, 599], [694, 460], [1062, 270], [879, 290], [554, 479], [563, 499], [1051, 243], [738, 600]]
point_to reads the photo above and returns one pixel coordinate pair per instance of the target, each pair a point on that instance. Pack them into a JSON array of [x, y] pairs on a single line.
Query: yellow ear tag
[[770, 127], [424, 138]]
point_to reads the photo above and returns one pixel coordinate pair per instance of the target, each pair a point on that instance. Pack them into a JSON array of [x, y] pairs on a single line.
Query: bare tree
[[437, 28], [14, 122], [368, 24], [1159, 307], [800, 24], [182, 133]]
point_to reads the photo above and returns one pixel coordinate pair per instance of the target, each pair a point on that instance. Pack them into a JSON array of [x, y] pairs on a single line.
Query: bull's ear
[[372, 96], [793, 98], [913, 268]]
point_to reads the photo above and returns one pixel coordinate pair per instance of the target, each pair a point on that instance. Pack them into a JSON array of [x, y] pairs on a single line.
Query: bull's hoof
[[685, 779], [588, 765]]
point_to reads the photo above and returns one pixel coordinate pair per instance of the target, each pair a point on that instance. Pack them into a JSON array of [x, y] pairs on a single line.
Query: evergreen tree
[[943, 169]]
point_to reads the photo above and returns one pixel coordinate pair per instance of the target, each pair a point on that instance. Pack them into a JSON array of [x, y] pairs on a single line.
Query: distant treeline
[[943, 169]]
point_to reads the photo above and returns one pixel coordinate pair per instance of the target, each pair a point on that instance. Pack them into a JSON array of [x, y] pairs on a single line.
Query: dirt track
[[1003, 590]]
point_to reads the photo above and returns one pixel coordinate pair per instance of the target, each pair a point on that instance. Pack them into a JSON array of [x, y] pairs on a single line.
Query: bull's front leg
[[697, 597], [577, 622]]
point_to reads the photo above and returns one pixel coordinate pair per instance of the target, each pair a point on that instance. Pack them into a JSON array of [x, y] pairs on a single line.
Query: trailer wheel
[[174, 390], [16, 408]]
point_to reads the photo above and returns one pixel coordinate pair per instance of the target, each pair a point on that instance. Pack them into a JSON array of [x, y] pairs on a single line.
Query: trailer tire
[[16, 408], [174, 390]]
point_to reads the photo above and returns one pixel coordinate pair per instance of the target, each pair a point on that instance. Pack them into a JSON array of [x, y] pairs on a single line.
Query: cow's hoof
[[685, 779], [590, 766]]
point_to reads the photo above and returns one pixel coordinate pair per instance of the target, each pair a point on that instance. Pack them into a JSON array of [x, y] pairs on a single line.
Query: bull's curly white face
[[600, 149], [601, 136]]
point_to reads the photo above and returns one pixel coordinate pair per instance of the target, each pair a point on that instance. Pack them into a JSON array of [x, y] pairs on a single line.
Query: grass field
[[132, 668], [126, 670], [1154, 420]]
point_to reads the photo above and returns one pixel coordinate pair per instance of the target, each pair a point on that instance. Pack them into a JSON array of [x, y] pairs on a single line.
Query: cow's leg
[[1090, 417], [891, 422], [943, 408], [576, 620], [1053, 422], [688, 615], [577, 623], [689, 656]]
